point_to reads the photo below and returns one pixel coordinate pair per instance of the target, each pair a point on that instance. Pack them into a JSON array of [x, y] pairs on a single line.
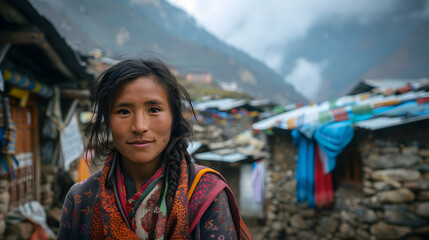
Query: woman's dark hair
[[102, 94]]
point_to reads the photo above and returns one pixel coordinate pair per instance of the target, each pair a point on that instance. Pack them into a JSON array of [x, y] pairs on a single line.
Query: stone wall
[[395, 186]]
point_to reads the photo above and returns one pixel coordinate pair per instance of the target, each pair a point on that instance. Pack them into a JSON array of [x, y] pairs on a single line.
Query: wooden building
[[34, 61]]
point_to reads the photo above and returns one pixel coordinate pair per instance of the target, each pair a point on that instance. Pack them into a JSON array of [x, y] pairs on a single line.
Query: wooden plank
[[21, 37], [75, 93]]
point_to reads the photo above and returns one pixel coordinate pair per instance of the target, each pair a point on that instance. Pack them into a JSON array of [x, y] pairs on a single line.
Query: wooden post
[[36, 154]]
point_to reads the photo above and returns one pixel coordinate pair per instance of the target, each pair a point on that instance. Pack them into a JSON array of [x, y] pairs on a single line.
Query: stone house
[[37, 66], [234, 159], [381, 178]]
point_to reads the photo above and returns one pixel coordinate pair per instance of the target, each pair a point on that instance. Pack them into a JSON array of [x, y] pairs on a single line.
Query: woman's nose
[[140, 123]]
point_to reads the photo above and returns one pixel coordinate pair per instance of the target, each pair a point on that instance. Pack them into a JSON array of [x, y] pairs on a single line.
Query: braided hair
[[102, 94]]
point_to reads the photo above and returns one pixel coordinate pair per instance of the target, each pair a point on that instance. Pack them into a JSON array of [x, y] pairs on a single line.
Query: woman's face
[[140, 121]]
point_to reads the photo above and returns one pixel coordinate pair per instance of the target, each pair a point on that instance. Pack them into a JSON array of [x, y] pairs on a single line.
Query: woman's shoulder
[[87, 185], [204, 173]]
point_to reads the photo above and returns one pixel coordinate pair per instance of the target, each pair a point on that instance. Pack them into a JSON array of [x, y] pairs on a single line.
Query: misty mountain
[[139, 28], [347, 51], [410, 60]]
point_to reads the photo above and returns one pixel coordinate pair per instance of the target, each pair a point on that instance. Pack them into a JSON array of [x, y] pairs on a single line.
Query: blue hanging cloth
[[304, 173], [333, 138]]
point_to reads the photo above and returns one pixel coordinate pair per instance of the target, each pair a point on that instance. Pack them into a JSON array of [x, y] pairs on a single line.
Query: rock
[[346, 231], [290, 186], [396, 174], [291, 208], [422, 209], [369, 191], [326, 225], [298, 222], [424, 153], [271, 216], [307, 236], [367, 184], [422, 168], [410, 150], [273, 234], [396, 196], [423, 196], [396, 207], [417, 185], [382, 230], [393, 161], [386, 185], [361, 234], [367, 169], [364, 215], [426, 176], [277, 226], [347, 216], [391, 150], [404, 218], [308, 213]]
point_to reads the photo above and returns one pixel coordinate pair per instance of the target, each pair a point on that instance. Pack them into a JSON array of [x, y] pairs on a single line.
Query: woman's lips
[[140, 144]]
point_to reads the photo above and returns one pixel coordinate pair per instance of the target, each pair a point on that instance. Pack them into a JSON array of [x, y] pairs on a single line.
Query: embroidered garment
[[152, 223], [93, 209]]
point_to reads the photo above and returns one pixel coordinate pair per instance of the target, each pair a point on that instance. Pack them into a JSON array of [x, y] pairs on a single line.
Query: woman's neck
[[140, 172]]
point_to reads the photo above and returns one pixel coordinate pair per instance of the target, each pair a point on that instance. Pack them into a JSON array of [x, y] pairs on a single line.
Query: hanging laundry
[[258, 181], [304, 174], [332, 138], [323, 189]]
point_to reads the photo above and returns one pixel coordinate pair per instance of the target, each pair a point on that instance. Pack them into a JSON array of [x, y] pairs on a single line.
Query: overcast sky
[[246, 24]]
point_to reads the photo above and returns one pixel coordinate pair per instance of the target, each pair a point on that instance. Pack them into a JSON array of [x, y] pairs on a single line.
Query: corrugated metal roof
[[385, 122], [211, 156], [194, 146], [356, 108], [366, 85], [220, 104]]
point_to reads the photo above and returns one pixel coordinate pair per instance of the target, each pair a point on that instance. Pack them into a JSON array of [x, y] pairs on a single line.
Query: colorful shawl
[[107, 221], [93, 208]]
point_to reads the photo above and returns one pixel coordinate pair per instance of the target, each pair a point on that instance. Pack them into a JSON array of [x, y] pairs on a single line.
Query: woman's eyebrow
[[153, 102], [123, 104]]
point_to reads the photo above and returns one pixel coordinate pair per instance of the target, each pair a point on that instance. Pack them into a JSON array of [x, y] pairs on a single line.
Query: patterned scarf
[[149, 208]]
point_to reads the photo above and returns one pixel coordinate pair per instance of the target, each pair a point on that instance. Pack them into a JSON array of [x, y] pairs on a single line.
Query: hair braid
[[172, 161]]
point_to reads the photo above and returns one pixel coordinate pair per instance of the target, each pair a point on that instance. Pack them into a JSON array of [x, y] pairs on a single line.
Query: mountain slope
[[347, 50], [411, 60], [136, 28]]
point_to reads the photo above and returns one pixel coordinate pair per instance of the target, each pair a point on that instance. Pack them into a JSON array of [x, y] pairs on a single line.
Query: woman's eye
[[154, 110], [123, 112]]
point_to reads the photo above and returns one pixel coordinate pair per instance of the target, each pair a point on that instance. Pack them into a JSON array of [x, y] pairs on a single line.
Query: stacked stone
[[47, 194], [4, 204], [208, 134], [396, 179], [394, 203]]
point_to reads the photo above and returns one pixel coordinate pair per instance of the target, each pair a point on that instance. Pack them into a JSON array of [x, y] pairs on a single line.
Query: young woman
[[148, 187]]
